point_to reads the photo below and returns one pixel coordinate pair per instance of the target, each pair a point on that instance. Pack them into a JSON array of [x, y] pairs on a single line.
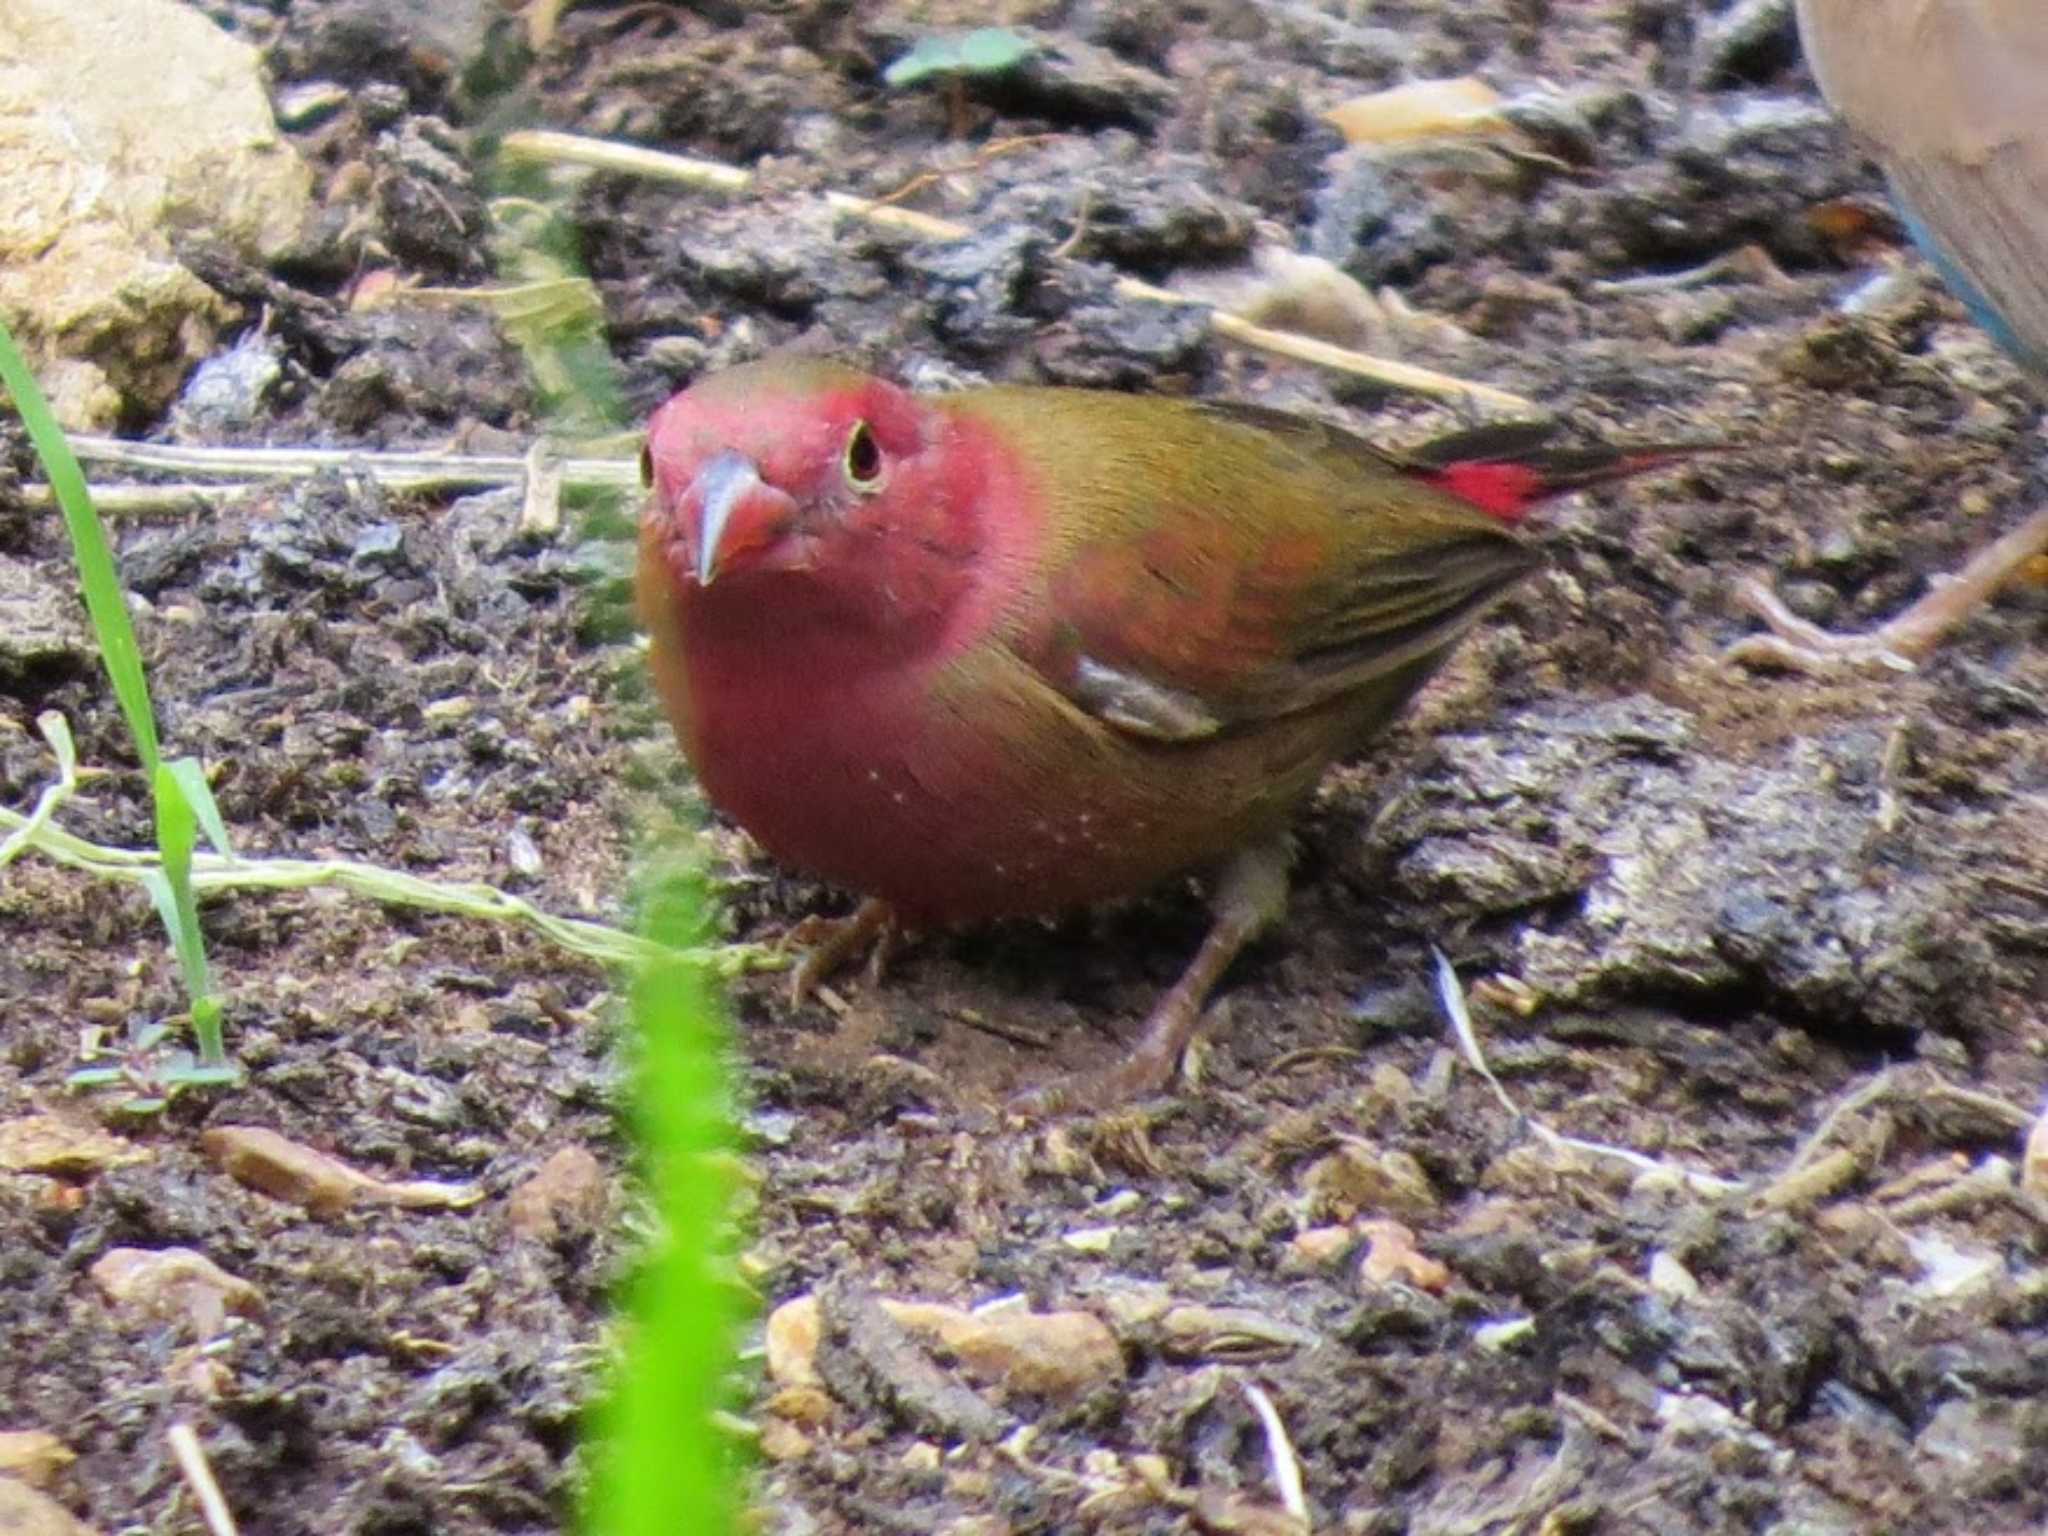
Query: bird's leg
[[1250, 896], [1906, 639], [832, 941]]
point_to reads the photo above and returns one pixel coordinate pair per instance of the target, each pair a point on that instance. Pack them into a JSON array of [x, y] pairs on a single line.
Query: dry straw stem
[[548, 147], [394, 471], [211, 872], [1281, 1460], [1452, 997], [198, 1474], [542, 471]]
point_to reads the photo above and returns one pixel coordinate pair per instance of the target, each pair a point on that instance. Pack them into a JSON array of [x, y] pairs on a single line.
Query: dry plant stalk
[[550, 147]]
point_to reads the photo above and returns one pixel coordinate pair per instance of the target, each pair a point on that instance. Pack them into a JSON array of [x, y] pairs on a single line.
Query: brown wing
[[1270, 565]]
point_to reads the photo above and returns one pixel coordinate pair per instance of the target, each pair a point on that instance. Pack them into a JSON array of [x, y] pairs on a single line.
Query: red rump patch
[[1505, 490]]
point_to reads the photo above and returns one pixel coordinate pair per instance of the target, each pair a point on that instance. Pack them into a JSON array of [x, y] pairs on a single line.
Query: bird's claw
[[1799, 645], [1906, 639], [1250, 895], [1148, 1069], [830, 942]]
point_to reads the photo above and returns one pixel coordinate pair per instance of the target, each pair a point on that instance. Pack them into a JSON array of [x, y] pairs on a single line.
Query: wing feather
[[1275, 564]]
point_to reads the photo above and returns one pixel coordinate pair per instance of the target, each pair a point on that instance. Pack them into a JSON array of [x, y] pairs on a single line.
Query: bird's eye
[[646, 467], [863, 458]]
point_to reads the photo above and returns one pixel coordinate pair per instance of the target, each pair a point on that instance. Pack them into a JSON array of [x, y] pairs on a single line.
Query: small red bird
[[1012, 650]]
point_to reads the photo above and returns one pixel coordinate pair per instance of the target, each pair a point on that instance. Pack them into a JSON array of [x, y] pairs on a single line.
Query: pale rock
[[35, 1456], [26, 1512], [791, 1336], [123, 124], [1049, 1354]]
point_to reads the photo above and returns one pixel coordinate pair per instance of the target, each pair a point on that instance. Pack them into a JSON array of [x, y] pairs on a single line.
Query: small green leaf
[[984, 51], [991, 50], [196, 1076], [183, 800], [190, 778]]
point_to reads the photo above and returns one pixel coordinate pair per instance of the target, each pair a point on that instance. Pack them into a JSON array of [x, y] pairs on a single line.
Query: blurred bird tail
[[1508, 468]]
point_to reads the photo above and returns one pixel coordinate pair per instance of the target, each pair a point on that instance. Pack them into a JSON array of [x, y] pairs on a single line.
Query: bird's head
[[786, 466]]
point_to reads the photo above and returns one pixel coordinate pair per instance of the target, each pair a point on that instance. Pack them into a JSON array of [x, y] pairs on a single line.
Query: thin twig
[[1862, 1097], [1280, 1458], [58, 734], [1452, 996], [1903, 642], [135, 500], [562, 148], [1079, 232], [1016, 1034], [551, 148], [405, 469], [401, 471], [988, 152], [211, 872], [191, 1459]]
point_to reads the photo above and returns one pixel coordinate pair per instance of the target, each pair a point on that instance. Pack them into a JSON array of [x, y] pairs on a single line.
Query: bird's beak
[[738, 513]]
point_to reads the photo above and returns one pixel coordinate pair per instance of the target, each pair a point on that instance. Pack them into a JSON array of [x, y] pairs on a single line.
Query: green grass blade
[[184, 801], [105, 603], [197, 794], [170, 888], [660, 1465]]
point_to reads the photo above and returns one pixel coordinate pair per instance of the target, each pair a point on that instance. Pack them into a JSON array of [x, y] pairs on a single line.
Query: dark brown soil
[[1696, 906]]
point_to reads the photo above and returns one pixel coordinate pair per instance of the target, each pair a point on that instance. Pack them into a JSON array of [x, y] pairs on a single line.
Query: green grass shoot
[[184, 803], [660, 1465]]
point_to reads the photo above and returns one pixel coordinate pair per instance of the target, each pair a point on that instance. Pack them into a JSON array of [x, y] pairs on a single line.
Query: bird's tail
[[1507, 468]]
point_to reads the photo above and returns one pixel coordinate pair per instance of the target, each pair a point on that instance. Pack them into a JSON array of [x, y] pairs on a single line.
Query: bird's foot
[[830, 942], [1250, 897], [1148, 1068], [1902, 643]]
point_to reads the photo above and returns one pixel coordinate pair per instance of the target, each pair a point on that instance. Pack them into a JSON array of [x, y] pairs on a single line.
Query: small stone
[[1671, 1279], [791, 1337], [1392, 1257], [40, 627], [310, 102], [226, 393], [2034, 1160], [1360, 1177], [973, 1485], [1048, 1354], [129, 120], [62, 1148], [783, 1441], [1503, 1333], [33, 1455], [174, 1285], [809, 1406], [26, 1512], [324, 1185], [566, 1191], [1320, 1246]]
